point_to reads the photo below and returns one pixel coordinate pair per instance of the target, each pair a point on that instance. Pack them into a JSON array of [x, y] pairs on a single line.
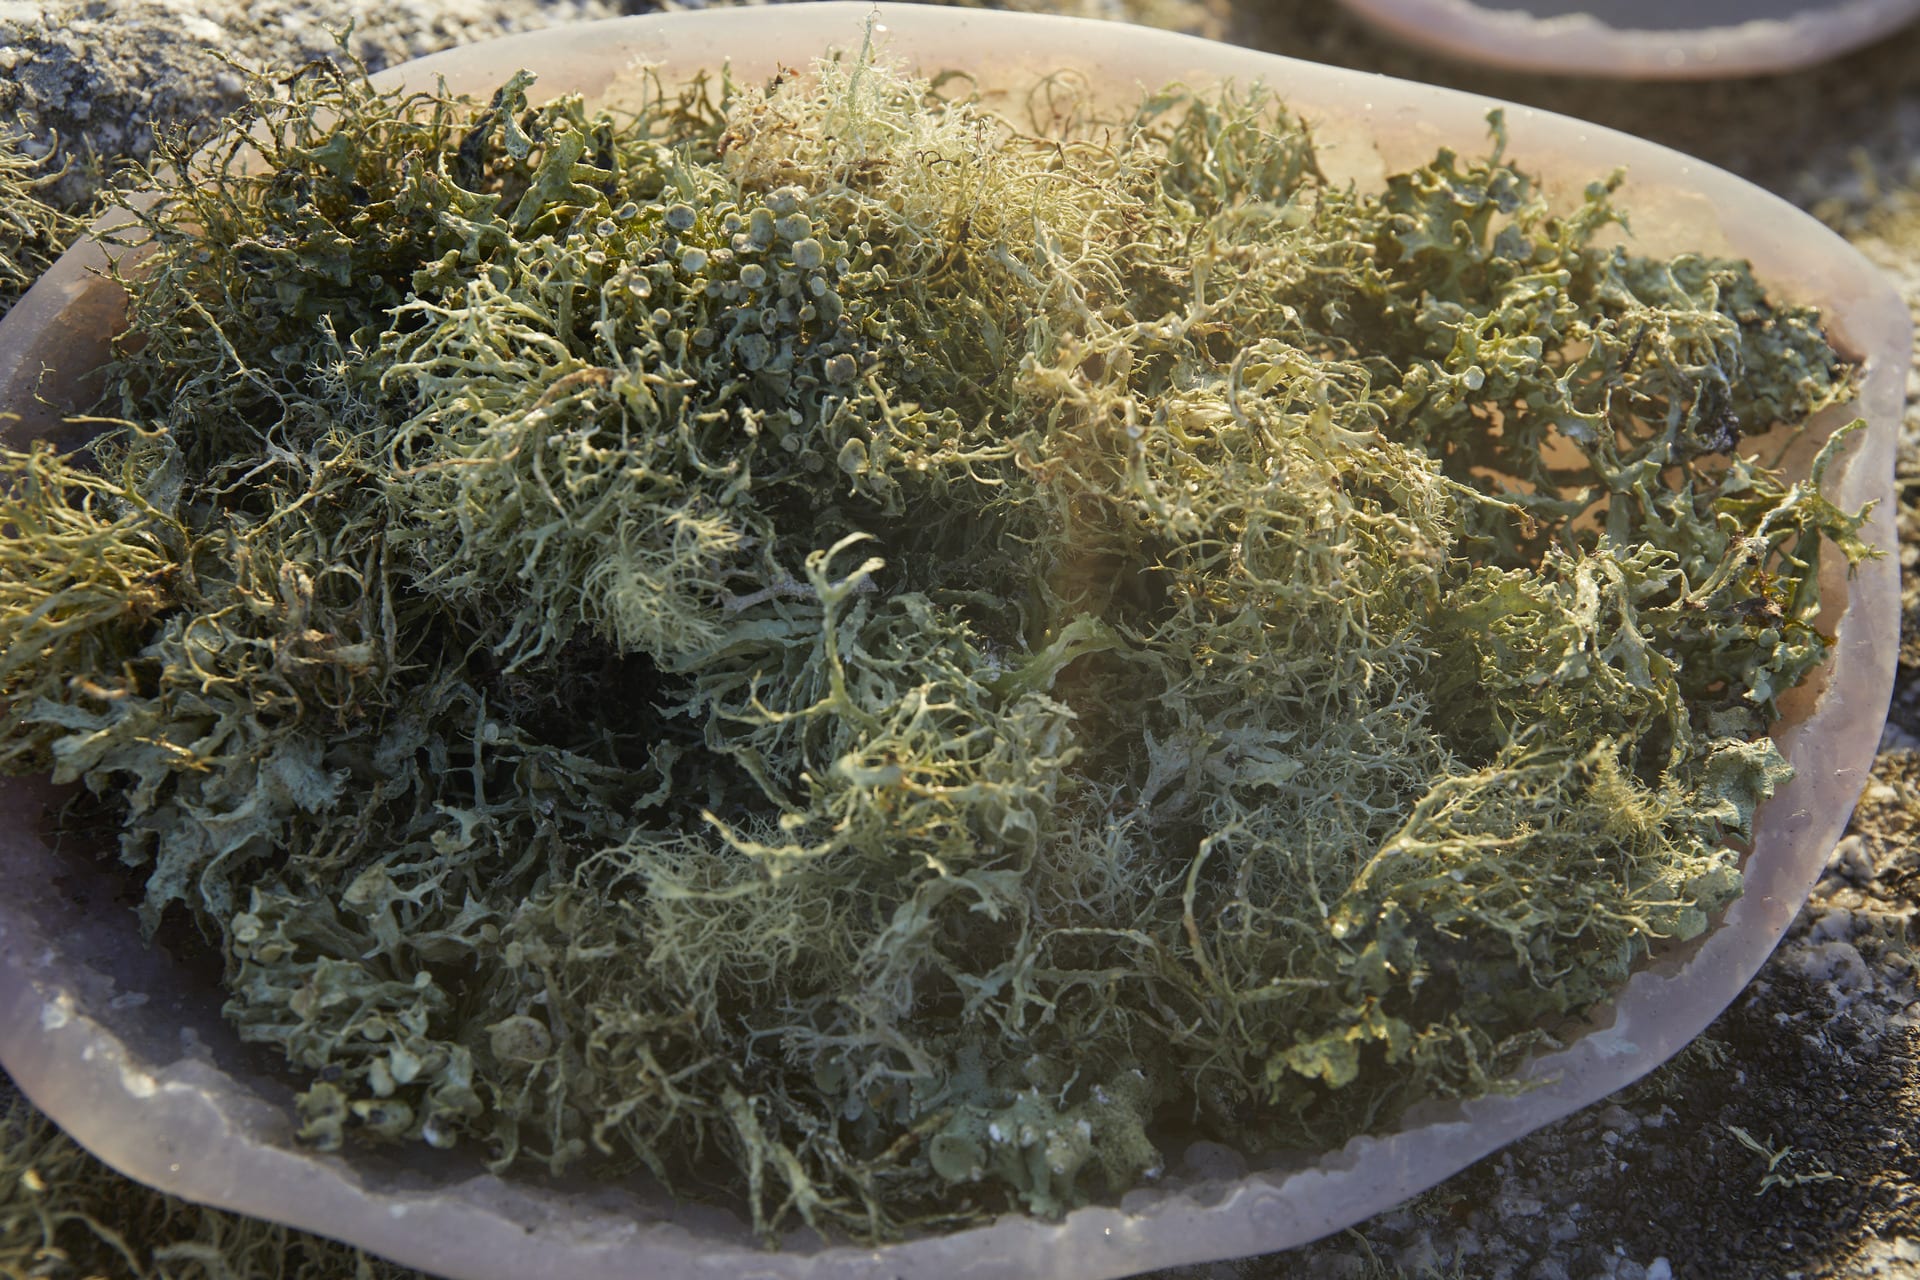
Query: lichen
[[66, 1216], [824, 642], [1882, 219], [33, 230]]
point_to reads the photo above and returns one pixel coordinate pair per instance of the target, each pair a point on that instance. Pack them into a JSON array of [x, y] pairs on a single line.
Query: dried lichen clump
[[33, 231], [66, 1216], [1883, 222], [887, 662]]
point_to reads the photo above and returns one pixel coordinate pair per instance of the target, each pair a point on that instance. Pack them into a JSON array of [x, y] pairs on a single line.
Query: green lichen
[[839, 647], [66, 1216], [1882, 219], [33, 230]]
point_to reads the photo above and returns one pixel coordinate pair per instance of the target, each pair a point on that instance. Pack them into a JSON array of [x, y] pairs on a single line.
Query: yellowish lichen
[[822, 640]]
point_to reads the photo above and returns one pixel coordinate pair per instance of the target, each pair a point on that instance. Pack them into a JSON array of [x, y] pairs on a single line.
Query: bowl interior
[[125, 1047]]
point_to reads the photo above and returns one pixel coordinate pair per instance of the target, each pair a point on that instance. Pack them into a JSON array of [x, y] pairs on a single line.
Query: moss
[[778, 639]]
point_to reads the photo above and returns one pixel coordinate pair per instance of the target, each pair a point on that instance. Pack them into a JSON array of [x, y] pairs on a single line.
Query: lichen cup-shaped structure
[[125, 1047], [1641, 39]]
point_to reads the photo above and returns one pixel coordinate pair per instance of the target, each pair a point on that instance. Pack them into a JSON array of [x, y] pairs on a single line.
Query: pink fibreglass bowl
[[1641, 39]]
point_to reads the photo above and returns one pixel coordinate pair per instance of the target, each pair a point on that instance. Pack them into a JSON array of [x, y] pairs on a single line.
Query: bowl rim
[[1585, 44], [62, 1022]]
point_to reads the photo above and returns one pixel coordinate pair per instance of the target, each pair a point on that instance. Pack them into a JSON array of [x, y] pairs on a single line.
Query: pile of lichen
[[66, 1216], [883, 662], [33, 231]]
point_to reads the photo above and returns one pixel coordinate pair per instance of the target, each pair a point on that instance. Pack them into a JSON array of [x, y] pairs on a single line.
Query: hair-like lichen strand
[[890, 659]]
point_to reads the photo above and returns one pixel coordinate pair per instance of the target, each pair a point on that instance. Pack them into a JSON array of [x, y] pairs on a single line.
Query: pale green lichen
[[1882, 219], [33, 230], [66, 1216], [823, 641]]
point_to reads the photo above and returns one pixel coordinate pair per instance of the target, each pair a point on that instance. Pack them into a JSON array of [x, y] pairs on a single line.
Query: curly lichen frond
[[827, 642], [33, 230], [62, 1212]]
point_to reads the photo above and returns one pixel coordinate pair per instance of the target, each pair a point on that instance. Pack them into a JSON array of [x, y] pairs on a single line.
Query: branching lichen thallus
[[887, 661]]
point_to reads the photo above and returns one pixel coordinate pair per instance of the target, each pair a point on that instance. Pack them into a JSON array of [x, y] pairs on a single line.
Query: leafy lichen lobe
[[890, 657]]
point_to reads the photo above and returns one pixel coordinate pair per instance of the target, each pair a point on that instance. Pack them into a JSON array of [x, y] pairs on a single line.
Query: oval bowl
[[124, 1046], [1640, 39]]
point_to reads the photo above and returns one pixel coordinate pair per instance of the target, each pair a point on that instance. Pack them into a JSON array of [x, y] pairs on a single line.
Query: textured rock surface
[[1815, 1065]]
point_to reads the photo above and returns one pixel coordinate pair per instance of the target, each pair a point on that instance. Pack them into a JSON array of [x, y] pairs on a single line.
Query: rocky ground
[[1785, 1143]]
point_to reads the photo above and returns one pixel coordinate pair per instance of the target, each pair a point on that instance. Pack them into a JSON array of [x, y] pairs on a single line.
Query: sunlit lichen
[[1882, 219], [33, 230], [824, 641]]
